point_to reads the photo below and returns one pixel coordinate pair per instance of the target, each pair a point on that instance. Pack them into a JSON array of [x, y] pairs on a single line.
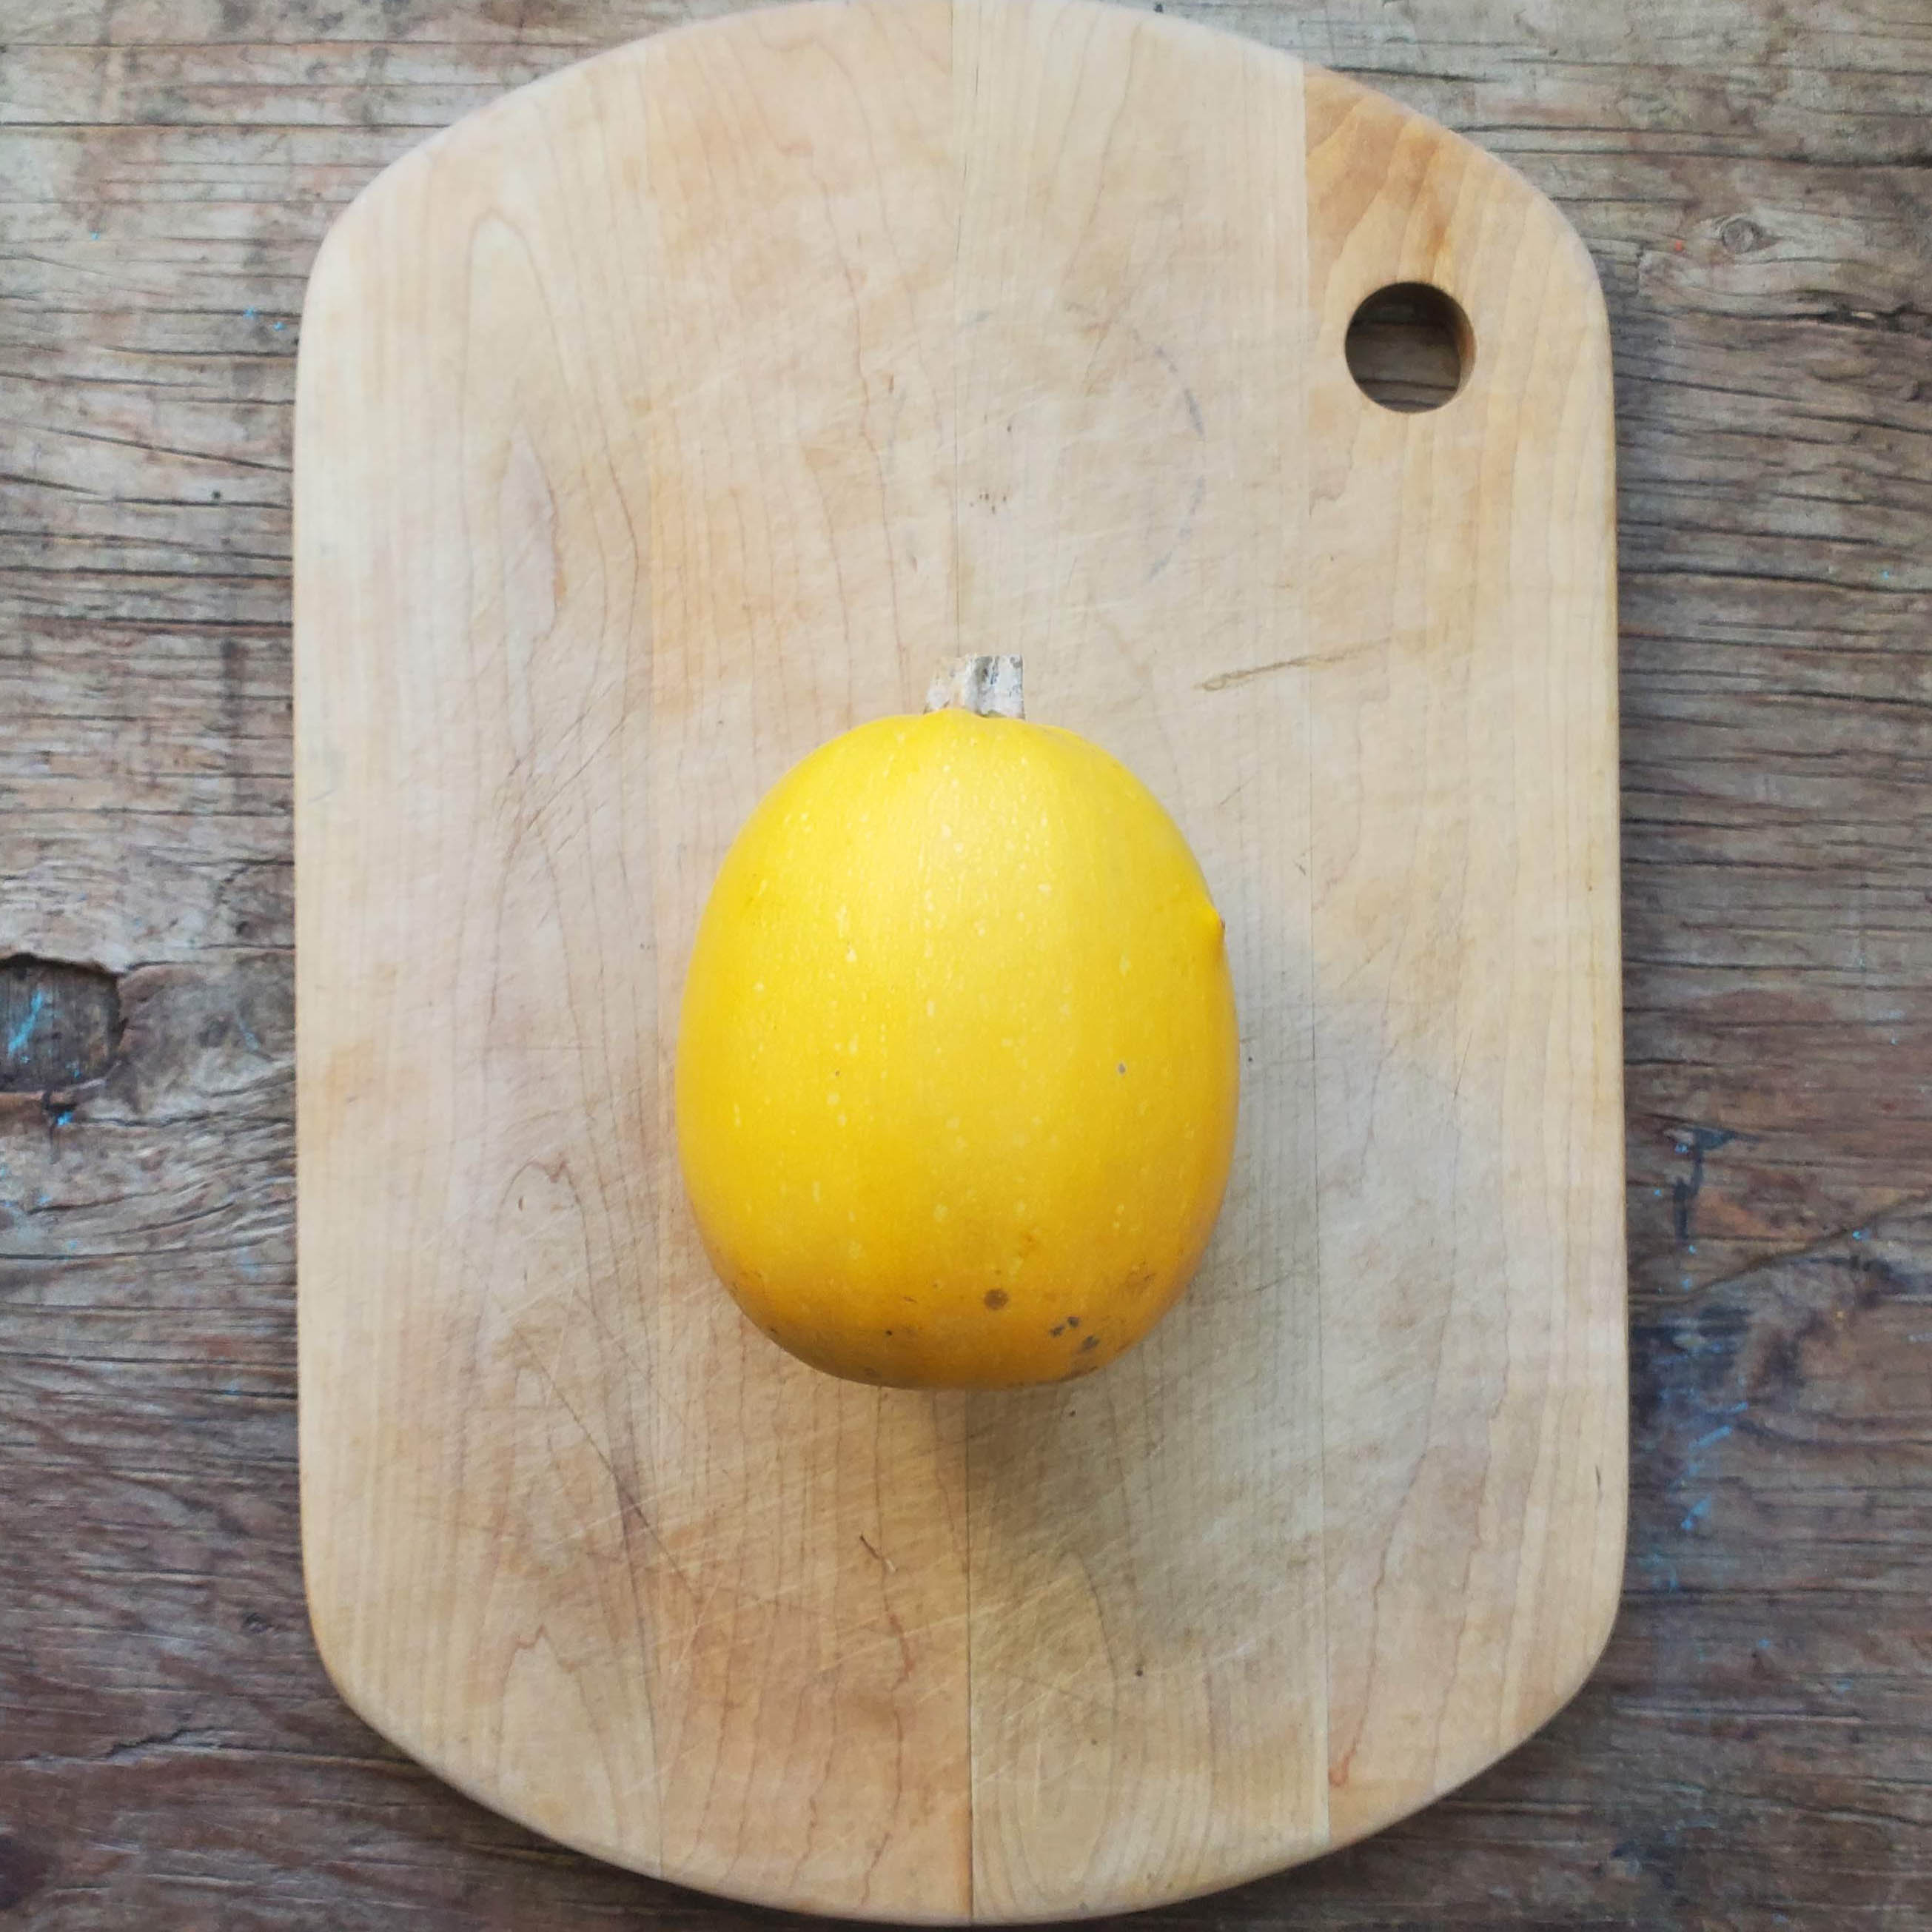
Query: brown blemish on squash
[[997, 1297], [1092, 1342]]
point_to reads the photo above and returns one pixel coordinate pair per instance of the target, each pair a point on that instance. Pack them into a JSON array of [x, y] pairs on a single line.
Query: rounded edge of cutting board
[[364, 1697]]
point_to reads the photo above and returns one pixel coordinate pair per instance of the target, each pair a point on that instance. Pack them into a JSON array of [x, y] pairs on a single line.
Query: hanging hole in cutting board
[[1410, 347]]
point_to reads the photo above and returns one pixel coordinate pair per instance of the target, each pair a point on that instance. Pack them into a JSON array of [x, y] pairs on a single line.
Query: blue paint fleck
[[1858, 1233], [1662, 1570], [1717, 1435], [1697, 1512], [248, 315], [24, 1032], [65, 1115], [278, 327]]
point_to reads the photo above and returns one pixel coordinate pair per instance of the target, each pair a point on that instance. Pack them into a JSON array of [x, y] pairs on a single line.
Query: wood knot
[[60, 1025], [1741, 235]]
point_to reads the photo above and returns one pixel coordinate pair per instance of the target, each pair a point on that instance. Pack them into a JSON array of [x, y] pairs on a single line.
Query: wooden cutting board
[[674, 414]]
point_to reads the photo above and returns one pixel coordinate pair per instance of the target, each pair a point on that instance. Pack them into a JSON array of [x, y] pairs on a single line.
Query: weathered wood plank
[[1752, 182]]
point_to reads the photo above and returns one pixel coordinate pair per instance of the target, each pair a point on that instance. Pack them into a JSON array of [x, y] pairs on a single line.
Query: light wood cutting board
[[676, 413]]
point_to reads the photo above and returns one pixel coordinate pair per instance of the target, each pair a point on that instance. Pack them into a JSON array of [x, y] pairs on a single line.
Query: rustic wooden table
[[1757, 187]]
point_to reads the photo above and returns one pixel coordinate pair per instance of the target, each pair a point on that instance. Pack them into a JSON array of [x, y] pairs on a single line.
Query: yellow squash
[[958, 1066]]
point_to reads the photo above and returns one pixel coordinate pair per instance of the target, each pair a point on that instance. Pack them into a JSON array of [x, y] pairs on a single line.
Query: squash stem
[[989, 687]]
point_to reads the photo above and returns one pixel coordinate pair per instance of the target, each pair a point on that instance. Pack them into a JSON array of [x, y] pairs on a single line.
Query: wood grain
[[1750, 1751], [1467, 1039], [1146, 1599], [687, 409]]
